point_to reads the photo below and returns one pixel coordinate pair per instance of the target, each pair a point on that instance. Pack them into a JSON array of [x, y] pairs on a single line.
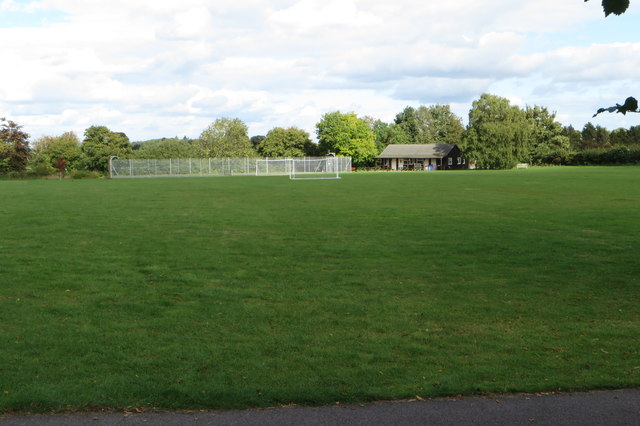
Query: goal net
[[273, 167], [315, 168]]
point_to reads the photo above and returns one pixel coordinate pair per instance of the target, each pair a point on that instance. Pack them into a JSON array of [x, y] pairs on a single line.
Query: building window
[[459, 160], [450, 161]]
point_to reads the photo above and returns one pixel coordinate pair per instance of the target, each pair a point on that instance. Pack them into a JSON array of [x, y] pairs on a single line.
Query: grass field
[[253, 292]]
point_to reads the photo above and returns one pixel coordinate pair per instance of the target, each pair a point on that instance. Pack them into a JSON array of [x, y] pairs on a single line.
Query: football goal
[[315, 168]]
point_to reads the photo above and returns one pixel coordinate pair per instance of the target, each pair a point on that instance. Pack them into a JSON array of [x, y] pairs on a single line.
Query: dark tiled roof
[[416, 151]]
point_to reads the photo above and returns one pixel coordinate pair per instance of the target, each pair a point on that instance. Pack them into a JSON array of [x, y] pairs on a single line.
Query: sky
[[165, 68]]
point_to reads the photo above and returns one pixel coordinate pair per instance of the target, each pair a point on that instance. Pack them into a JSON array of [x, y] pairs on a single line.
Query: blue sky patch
[[20, 19], [613, 29]]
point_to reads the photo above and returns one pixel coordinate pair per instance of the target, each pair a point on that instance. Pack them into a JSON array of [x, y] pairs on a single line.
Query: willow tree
[[499, 135]]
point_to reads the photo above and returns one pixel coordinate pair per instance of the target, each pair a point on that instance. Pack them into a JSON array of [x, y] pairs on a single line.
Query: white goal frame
[[315, 168]]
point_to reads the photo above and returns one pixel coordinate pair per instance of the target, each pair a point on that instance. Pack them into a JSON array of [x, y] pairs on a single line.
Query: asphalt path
[[621, 407]]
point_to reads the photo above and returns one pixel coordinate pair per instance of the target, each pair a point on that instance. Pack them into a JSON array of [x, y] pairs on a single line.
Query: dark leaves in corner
[[630, 105], [617, 7]]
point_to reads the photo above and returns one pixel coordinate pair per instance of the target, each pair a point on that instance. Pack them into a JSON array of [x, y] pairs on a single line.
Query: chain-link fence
[[182, 167]]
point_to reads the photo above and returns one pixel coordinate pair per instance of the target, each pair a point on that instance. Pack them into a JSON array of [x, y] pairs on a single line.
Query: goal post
[[315, 168]]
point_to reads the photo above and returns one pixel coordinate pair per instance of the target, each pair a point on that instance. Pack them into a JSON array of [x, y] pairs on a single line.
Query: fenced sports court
[[296, 168]]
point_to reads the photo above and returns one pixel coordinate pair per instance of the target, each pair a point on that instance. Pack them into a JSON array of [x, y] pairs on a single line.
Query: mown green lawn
[[252, 292]]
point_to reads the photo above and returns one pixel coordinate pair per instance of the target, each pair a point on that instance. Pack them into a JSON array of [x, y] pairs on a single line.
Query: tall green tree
[[100, 143], [291, 142], [620, 137], [385, 133], [256, 140], [4, 158], [547, 136], [48, 149], [380, 131], [165, 148], [625, 137], [575, 136], [434, 124], [225, 138], [594, 136], [498, 134], [439, 124], [407, 122], [347, 135], [634, 135], [588, 136], [14, 147]]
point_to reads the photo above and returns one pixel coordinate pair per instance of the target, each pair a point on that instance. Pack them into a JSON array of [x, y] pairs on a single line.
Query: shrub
[[557, 158], [84, 174], [40, 170], [616, 155], [4, 166], [17, 174]]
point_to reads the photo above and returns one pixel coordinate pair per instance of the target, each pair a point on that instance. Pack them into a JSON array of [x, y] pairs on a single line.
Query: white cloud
[[315, 15], [431, 90], [165, 68], [617, 61], [196, 23]]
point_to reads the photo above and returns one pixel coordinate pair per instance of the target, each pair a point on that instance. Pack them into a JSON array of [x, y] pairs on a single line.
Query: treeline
[[498, 136]]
